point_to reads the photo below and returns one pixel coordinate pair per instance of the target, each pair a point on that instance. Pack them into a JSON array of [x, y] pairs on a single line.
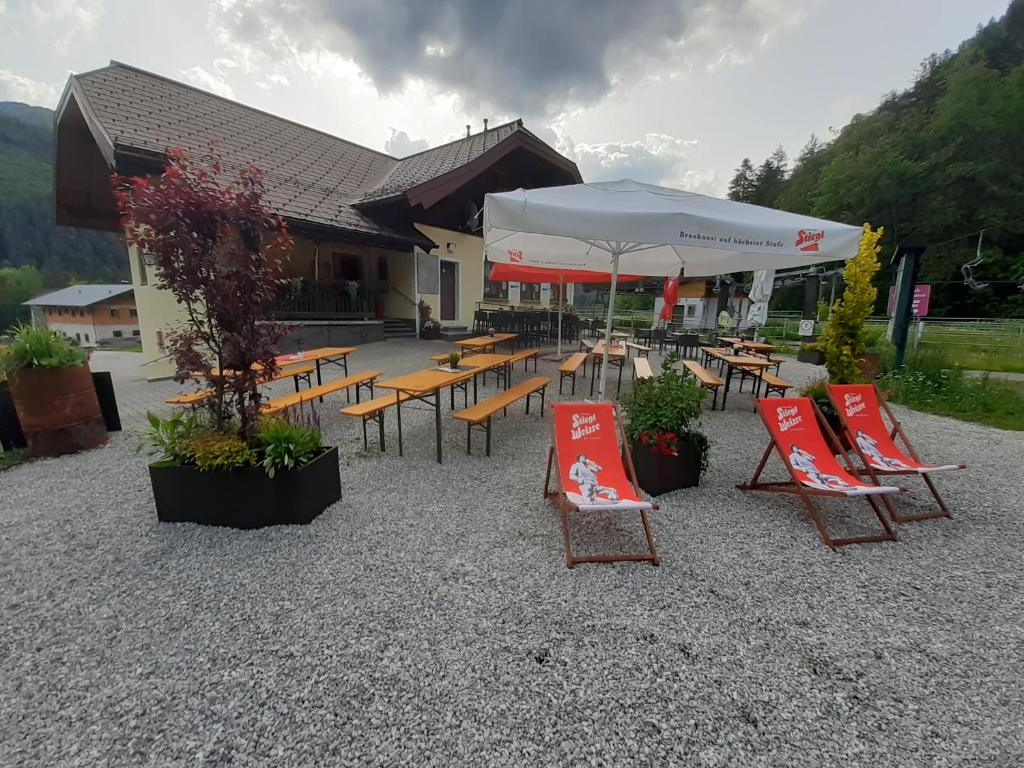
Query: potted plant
[[817, 390], [53, 392], [811, 352], [453, 360], [222, 254], [11, 436], [430, 329], [201, 474], [662, 414], [845, 337]]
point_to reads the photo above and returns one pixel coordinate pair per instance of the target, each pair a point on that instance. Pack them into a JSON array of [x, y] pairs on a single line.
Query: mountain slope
[[935, 163], [28, 232]]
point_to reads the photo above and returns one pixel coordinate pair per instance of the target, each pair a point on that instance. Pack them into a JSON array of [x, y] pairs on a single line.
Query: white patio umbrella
[[760, 294], [654, 231]]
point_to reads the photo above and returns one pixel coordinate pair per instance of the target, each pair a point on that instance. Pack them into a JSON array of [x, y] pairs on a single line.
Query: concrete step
[[456, 332]]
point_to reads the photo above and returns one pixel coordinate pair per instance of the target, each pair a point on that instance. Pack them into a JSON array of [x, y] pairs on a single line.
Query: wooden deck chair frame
[[874, 473], [806, 494], [565, 506]]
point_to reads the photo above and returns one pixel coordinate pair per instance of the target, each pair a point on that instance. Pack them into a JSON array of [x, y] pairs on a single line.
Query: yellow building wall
[[468, 251], [159, 313]]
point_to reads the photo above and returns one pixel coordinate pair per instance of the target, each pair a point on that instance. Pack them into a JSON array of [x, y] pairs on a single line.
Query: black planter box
[[658, 473], [108, 403], [246, 498], [11, 436], [812, 356]]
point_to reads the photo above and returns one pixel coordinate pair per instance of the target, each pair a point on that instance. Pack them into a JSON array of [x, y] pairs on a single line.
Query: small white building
[[89, 314]]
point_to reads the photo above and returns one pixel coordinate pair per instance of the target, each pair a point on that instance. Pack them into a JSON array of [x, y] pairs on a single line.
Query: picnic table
[[616, 356], [488, 343], [734, 362], [760, 347], [327, 355], [426, 385]]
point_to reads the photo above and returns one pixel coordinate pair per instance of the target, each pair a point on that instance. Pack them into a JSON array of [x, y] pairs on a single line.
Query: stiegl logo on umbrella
[[808, 239]]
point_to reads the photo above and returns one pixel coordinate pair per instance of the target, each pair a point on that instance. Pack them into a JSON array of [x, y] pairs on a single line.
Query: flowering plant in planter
[[662, 415], [222, 254]]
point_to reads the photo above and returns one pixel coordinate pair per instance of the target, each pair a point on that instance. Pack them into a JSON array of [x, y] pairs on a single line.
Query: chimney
[[467, 131], [485, 125]]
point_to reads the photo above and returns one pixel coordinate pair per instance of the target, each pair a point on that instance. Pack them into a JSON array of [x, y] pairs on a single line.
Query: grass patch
[[12, 458], [928, 383]]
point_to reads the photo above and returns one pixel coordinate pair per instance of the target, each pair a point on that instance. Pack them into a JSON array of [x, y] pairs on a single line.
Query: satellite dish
[[474, 221]]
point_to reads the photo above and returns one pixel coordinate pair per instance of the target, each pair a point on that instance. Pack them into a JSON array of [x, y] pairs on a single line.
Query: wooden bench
[[201, 396], [374, 410], [191, 398], [707, 379], [479, 415], [642, 368], [358, 380], [569, 367], [774, 384], [640, 349]]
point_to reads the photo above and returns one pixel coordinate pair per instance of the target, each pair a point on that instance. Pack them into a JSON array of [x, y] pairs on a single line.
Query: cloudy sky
[[665, 91]]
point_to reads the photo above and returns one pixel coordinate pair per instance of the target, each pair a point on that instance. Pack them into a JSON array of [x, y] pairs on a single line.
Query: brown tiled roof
[[432, 163], [311, 176]]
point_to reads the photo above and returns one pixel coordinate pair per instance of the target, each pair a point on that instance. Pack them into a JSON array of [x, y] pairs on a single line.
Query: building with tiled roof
[[402, 229]]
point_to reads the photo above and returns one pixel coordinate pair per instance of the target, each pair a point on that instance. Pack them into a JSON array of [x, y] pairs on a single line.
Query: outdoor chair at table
[[658, 336]]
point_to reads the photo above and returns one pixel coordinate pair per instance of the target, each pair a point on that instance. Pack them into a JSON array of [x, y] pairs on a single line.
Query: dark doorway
[[449, 290]]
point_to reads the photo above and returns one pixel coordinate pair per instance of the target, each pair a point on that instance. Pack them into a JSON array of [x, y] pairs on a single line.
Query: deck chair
[[792, 423], [860, 409], [594, 472]]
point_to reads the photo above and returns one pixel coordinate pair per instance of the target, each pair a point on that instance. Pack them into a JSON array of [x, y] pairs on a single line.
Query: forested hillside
[[28, 234], [937, 162]]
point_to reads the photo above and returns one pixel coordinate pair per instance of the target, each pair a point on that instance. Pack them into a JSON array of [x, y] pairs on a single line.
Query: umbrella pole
[[608, 323], [561, 299]]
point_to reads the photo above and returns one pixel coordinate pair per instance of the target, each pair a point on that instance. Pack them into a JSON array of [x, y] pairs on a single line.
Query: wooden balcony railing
[[308, 299]]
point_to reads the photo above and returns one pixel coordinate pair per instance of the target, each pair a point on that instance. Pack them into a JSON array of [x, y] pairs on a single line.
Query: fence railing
[[298, 299]]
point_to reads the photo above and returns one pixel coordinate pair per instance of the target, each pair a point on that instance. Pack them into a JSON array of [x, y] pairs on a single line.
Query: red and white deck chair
[[813, 469], [590, 456], [860, 409]]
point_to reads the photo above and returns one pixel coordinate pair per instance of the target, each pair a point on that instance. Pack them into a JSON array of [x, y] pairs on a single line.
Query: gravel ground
[[428, 618]]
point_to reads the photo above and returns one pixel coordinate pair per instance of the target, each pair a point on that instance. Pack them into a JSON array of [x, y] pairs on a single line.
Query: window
[[140, 263], [494, 289], [78, 338], [135, 332], [86, 338], [118, 334], [529, 291], [133, 313], [691, 310], [346, 267], [115, 312]]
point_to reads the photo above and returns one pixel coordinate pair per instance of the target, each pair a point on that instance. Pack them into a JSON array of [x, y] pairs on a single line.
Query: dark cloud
[[519, 57], [399, 144]]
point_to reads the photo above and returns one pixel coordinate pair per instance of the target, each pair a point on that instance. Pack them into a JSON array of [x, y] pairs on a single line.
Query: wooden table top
[[746, 360], [615, 351], [310, 355], [485, 360], [487, 341], [431, 379], [757, 346]]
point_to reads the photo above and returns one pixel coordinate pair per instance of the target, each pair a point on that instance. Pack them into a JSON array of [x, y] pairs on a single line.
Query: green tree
[[17, 284], [743, 184]]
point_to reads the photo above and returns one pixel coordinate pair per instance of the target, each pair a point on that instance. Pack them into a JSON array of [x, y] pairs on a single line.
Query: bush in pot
[[222, 254], [662, 415], [846, 337], [53, 392]]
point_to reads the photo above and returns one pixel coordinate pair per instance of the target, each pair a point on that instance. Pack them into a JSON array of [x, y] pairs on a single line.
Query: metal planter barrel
[[58, 409]]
